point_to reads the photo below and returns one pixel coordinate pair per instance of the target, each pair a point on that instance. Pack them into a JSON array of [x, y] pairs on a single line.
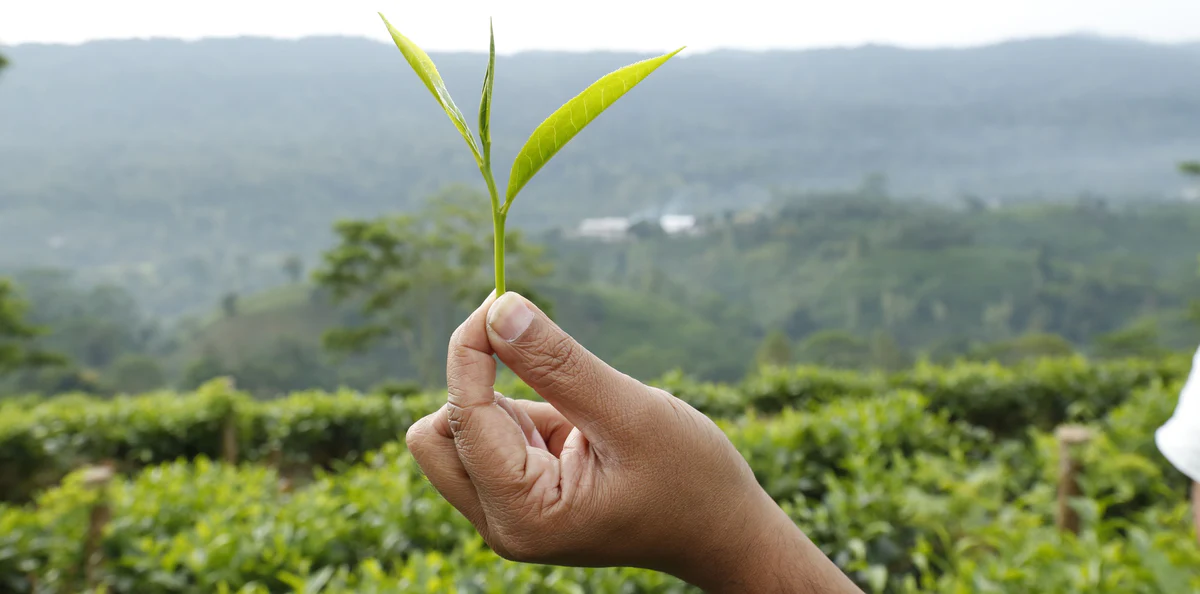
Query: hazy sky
[[644, 25]]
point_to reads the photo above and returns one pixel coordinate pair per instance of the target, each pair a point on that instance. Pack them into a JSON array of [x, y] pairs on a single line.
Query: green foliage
[[338, 129], [41, 442], [845, 275], [1006, 400], [1190, 168], [229, 305], [547, 138], [1138, 340], [1040, 393], [1022, 348], [899, 494], [136, 374], [428, 73], [834, 348], [793, 453], [775, 350], [92, 327], [16, 336], [805, 387], [567, 121], [293, 267], [171, 531], [485, 97], [412, 277], [1033, 273]]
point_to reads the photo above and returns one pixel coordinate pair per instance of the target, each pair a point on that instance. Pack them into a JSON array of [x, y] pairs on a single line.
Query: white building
[[605, 228], [618, 228], [674, 224]]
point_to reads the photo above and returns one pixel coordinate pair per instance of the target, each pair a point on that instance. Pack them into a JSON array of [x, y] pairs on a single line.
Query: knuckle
[[416, 435], [458, 363], [456, 415], [559, 360], [412, 439], [460, 353], [663, 394]]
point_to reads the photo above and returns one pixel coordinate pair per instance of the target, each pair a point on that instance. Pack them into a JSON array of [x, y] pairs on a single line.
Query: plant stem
[[499, 216], [498, 230]]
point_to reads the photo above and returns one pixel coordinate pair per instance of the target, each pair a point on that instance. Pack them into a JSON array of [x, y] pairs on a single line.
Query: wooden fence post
[[96, 478], [1069, 467], [229, 437]]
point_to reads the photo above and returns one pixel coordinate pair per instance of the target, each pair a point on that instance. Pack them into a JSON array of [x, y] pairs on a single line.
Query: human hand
[[606, 472]]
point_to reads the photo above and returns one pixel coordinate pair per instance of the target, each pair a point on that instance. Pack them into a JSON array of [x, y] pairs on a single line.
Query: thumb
[[489, 442], [593, 396]]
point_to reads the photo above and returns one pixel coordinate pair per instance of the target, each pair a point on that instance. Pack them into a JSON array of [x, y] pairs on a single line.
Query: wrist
[[762, 550]]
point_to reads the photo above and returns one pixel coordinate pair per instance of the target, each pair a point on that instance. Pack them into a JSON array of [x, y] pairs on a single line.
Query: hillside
[[274, 341], [889, 281], [145, 160], [923, 272], [847, 279]]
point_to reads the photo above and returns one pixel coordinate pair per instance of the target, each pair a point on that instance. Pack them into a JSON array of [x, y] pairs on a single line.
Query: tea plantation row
[[41, 440], [900, 493]]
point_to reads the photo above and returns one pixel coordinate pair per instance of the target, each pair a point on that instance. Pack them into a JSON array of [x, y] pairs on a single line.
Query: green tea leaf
[[423, 66], [562, 125], [485, 102]]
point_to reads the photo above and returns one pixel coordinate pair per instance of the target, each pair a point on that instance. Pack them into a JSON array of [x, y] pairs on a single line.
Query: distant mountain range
[[123, 153]]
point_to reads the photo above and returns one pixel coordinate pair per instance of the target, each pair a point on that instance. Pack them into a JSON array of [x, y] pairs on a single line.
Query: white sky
[[643, 25]]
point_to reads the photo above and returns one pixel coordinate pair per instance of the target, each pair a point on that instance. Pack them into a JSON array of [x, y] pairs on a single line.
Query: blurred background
[[889, 247], [860, 185]]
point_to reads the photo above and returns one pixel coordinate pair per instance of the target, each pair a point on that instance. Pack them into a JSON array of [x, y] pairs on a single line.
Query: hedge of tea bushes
[[201, 526], [792, 452], [189, 526], [945, 520], [903, 498], [40, 444], [1041, 393], [1005, 400], [40, 440], [1136, 475]]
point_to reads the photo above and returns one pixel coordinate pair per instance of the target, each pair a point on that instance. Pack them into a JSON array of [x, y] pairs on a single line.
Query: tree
[[135, 374], [286, 365], [18, 350], [647, 230], [1027, 346], [800, 323], [293, 267], [1191, 168], [206, 367], [229, 304], [835, 348], [775, 351], [1140, 340], [413, 276], [886, 354], [91, 326]]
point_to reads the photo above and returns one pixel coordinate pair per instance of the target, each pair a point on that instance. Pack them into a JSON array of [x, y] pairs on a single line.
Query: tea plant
[[550, 136]]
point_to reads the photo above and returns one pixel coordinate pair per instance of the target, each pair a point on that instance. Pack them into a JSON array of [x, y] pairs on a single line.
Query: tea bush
[[42, 439], [900, 494]]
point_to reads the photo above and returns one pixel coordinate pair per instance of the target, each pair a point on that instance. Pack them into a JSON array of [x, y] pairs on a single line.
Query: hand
[[606, 472]]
